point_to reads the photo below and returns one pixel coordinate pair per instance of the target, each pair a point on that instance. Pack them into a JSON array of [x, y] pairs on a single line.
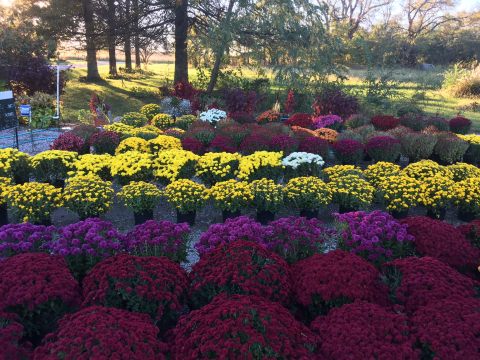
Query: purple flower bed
[[295, 238], [22, 238], [328, 121], [159, 238], [376, 236], [240, 228]]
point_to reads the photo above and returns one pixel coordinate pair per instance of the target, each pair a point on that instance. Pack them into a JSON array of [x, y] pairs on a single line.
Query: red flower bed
[[363, 331], [152, 285], [460, 125], [39, 288], [325, 281], [449, 329], [240, 267], [416, 282], [248, 327], [300, 119], [193, 145], [444, 242], [252, 143], [222, 144], [348, 151], [68, 142], [11, 333], [314, 145], [471, 231], [283, 143], [103, 333], [385, 122]]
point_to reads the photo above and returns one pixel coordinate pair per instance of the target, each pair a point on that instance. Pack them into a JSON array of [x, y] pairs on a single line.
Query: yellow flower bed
[[261, 164], [132, 166], [123, 129], [307, 193], [400, 192], [214, 167], [471, 138], [140, 196], [466, 195], [34, 202], [88, 195], [163, 121], [336, 171], [14, 163], [436, 192], [164, 142], [231, 195], [425, 169], [267, 196], [376, 173], [171, 165], [5, 184], [462, 171], [186, 195], [92, 164], [351, 192], [147, 132], [53, 165], [132, 144]]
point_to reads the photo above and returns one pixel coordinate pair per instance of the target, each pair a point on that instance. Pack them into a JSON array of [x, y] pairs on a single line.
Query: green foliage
[[134, 119], [150, 110]]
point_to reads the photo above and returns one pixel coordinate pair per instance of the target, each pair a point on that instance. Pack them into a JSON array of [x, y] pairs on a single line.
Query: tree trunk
[[111, 38], [128, 42], [92, 68], [220, 51], [136, 40], [181, 34]]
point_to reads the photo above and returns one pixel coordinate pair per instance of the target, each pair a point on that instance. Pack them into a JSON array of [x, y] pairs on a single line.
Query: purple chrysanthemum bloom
[[26, 237]]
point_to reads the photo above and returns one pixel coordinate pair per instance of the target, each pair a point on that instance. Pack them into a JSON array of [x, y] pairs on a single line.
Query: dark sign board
[[8, 113]]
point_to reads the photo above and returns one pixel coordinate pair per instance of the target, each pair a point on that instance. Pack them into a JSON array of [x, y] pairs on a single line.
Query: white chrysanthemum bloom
[[213, 115], [294, 160]]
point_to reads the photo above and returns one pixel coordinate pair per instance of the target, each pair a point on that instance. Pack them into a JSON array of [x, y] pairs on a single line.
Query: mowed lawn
[[123, 95]]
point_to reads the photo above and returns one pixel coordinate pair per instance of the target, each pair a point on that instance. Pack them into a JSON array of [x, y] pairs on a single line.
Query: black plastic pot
[[186, 217], [142, 217], [438, 214], [309, 214], [264, 217], [3, 215], [345, 209], [230, 214], [465, 215], [58, 183], [399, 214]]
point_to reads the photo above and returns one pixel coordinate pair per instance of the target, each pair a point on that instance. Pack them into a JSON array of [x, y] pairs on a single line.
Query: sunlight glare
[[6, 2]]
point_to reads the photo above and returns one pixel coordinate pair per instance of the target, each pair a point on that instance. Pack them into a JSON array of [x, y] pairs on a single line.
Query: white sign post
[[59, 67]]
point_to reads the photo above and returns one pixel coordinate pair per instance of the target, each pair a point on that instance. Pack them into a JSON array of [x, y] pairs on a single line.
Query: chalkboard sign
[[8, 113]]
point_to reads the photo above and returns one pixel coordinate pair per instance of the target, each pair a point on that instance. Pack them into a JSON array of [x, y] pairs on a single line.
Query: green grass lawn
[[121, 96]]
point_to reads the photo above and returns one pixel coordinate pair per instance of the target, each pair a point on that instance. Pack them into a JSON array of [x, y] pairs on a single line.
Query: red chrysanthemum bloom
[[460, 125], [364, 331], [471, 231], [152, 285], [240, 267], [40, 289], [300, 119], [314, 145], [444, 242], [193, 145], [385, 122], [69, 142], [103, 333], [222, 144], [11, 334], [284, 143], [415, 282], [448, 329], [242, 326], [324, 281]]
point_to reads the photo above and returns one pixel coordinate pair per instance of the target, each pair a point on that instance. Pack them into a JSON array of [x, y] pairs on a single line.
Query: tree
[[88, 18], [181, 34]]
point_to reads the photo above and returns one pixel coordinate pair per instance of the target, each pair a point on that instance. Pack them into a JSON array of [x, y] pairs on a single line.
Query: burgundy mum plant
[[385, 122], [152, 285], [471, 231], [383, 148], [240, 267], [159, 238], [22, 238], [194, 145], [416, 282], [348, 151], [241, 327], [364, 331], [105, 142], [314, 145], [68, 142], [103, 333], [376, 236], [39, 289], [11, 334], [300, 119], [325, 281], [460, 125]]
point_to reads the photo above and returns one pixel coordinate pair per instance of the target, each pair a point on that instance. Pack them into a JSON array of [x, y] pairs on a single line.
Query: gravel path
[[33, 142]]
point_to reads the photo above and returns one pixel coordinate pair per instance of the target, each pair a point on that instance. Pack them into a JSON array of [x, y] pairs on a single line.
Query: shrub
[[140, 196], [11, 333], [120, 128], [184, 122], [88, 195], [147, 132], [300, 119], [473, 152], [348, 151], [296, 238], [450, 149], [383, 148], [39, 289], [463, 171], [466, 195], [231, 195], [460, 125], [408, 108], [385, 122], [171, 165], [132, 166], [134, 119], [338, 171], [425, 169], [439, 123], [105, 142], [186, 195], [194, 145], [242, 117], [307, 193], [254, 142], [444, 242], [103, 332], [302, 164], [436, 193], [14, 164], [215, 167], [150, 110], [335, 101], [164, 142], [222, 144], [92, 165], [380, 171], [85, 243], [163, 121], [314, 145], [351, 192], [241, 326], [202, 131], [158, 238], [69, 142], [34, 202], [362, 330], [375, 236], [416, 282], [240, 267], [356, 120], [324, 281], [152, 285], [267, 195], [24, 238], [448, 329], [240, 100], [52, 165]]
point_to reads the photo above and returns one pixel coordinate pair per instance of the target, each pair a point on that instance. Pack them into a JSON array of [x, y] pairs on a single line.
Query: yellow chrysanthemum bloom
[[163, 121], [214, 167], [466, 195], [436, 192], [92, 164], [380, 171], [462, 171], [307, 193], [14, 163], [186, 195], [140, 196], [132, 144], [231, 195], [471, 138], [351, 192], [335, 171], [164, 142], [400, 193], [261, 164], [132, 166], [425, 169], [53, 165], [170, 165], [267, 196], [5, 184]]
